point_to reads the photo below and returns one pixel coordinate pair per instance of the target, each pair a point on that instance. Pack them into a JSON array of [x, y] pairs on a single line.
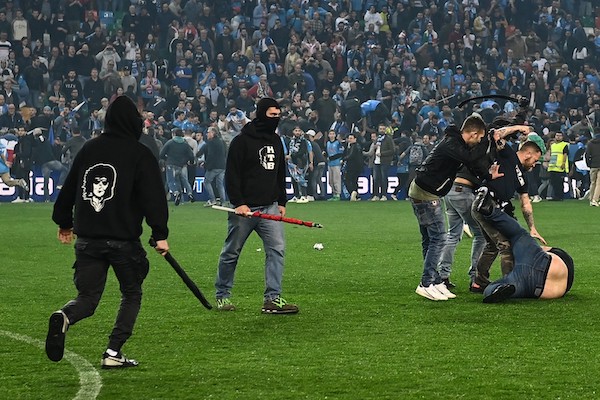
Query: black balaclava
[[123, 118], [261, 120]]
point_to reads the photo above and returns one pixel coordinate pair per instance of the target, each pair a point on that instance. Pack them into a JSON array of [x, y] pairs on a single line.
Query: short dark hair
[[177, 132], [474, 122]]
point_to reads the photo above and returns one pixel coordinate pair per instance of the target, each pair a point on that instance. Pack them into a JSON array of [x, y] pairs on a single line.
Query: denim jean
[[217, 176], [531, 261], [93, 258], [430, 216], [380, 179], [177, 179], [47, 169], [272, 234], [315, 179], [496, 244], [458, 209]]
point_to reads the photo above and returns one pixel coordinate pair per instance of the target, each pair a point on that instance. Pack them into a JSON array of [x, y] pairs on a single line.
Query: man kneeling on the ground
[[539, 272]]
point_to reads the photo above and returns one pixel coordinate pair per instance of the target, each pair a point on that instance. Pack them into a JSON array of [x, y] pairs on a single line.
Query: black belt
[[459, 187]]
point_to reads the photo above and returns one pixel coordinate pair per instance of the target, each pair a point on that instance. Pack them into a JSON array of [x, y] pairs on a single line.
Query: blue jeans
[[47, 169], [272, 235], [458, 209], [380, 179], [217, 175], [315, 179], [531, 262], [177, 179], [430, 216]]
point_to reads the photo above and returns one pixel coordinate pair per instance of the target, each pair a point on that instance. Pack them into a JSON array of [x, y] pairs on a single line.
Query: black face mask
[[271, 123]]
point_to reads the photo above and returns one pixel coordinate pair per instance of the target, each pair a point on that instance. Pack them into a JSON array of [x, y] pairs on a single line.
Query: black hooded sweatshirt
[[255, 170], [114, 183]]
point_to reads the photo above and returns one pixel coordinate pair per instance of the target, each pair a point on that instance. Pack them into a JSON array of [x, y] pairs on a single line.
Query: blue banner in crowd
[[365, 186]]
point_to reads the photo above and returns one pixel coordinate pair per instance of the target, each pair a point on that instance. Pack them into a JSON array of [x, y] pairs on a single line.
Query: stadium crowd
[[386, 76]]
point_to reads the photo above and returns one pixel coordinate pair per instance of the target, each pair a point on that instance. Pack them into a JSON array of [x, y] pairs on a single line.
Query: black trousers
[[21, 171], [351, 180], [557, 180], [92, 259]]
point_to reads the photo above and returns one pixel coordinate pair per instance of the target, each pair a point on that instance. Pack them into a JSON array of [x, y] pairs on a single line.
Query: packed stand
[[387, 74]]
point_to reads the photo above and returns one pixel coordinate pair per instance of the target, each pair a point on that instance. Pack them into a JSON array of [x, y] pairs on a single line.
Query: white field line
[[90, 381]]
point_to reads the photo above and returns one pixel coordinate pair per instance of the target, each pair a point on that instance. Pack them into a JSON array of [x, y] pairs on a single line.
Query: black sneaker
[[483, 203], [55, 340], [177, 199], [500, 293], [449, 285], [118, 361], [278, 305], [191, 198]]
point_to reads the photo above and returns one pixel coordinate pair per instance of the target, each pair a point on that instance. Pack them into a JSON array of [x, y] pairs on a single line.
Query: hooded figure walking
[[114, 183], [255, 181]]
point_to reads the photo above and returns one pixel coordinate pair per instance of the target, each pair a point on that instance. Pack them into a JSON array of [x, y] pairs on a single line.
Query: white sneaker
[[383, 198], [594, 203], [19, 200], [302, 200], [536, 199], [394, 197], [441, 287], [467, 230], [374, 198], [430, 292], [293, 200], [310, 198]]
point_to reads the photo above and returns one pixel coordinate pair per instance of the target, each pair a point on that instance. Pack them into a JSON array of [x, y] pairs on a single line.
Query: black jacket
[[214, 154], [114, 183], [439, 169], [255, 171], [592, 153], [354, 158]]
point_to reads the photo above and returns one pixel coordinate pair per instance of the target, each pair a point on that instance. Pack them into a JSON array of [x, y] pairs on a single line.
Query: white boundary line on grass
[[89, 379]]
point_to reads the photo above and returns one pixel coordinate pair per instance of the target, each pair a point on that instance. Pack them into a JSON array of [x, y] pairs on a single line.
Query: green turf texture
[[362, 332]]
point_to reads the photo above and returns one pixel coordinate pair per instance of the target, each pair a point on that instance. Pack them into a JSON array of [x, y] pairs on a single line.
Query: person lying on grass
[[539, 272]]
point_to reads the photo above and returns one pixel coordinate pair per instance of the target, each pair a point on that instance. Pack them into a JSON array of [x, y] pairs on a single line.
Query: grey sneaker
[[118, 361], [224, 304], [278, 305]]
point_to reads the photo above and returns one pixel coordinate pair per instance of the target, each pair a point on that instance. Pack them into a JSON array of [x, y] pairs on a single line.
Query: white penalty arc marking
[[90, 381]]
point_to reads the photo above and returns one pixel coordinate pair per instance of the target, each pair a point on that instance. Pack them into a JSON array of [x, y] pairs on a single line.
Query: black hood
[[123, 119], [262, 107], [262, 123]]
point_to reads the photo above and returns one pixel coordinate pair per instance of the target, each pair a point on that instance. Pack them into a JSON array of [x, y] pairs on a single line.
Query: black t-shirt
[[514, 179]]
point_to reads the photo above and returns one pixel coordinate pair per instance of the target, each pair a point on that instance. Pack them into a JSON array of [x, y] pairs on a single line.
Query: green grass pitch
[[362, 332]]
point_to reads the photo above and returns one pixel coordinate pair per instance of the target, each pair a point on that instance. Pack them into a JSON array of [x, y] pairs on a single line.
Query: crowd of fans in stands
[[196, 64]]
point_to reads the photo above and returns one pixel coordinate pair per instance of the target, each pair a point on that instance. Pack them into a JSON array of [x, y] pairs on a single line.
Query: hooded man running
[[114, 183]]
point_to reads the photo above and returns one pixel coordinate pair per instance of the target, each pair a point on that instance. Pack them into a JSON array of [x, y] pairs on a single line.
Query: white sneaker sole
[[421, 291]]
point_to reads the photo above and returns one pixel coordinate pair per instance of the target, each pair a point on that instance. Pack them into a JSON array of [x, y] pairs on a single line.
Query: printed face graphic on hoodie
[[267, 157], [98, 185]]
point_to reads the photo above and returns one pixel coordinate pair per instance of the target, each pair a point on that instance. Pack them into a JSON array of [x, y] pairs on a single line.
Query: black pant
[[533, 180], [92, 259], [21, 171], [557, 180], [351, 180]]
